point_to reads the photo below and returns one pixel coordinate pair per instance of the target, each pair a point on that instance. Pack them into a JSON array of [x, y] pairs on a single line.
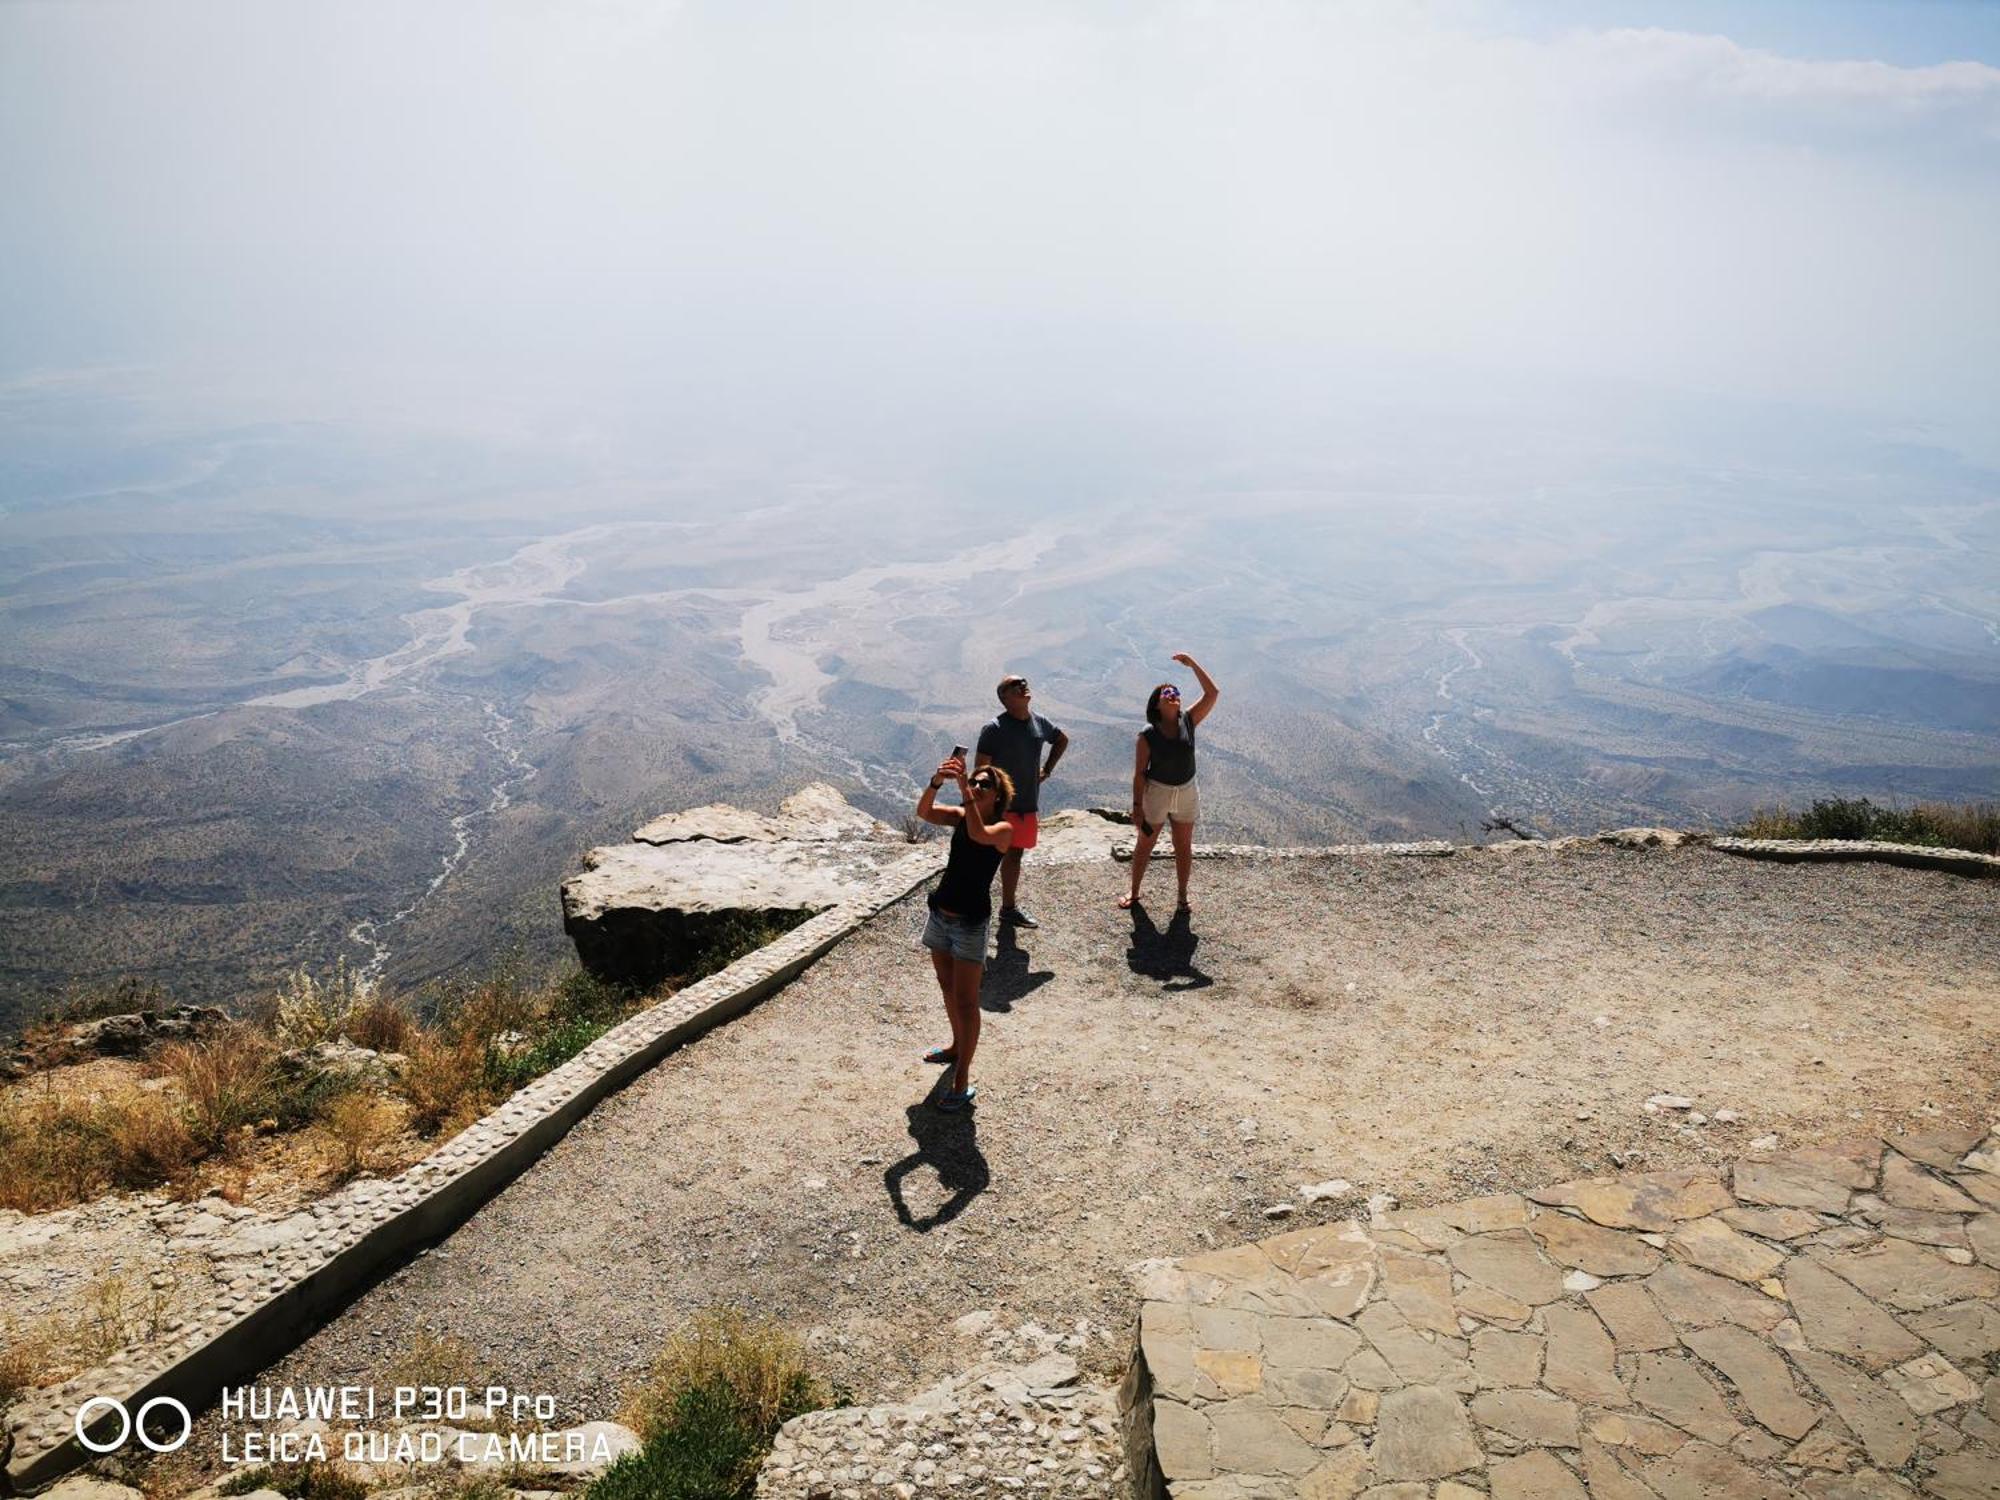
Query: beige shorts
[[1181, 803]]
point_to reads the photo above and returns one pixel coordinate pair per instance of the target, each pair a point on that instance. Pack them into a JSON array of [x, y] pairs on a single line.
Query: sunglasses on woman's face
[[1173, 693], [982, 786]]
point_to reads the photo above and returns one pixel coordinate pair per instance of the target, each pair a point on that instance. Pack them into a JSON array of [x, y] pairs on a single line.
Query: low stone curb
[[263, 1314], [1427, 849], [1836, 851]]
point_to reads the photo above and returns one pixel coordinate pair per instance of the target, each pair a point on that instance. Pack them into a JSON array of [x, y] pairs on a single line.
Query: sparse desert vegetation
[[709, 1409], [324, 1082], [1939, 825]]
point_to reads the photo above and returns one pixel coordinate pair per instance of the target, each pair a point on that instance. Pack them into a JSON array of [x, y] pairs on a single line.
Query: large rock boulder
[[690, 882]]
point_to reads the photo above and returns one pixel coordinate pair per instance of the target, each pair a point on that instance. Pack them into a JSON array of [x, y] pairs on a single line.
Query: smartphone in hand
[[958, 752]]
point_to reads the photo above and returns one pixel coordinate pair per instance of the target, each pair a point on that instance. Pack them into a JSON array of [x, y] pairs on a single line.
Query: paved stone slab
[[1602, 1252], [1535, 1476], [1758, 1372], [1943, 1149], [1423, 1433], [1773, 1223], [1701, 1471], [1912, 1277], [1964, 1330], [1503, 1358], [1969, 1474], [1980, 1185], [1819, 1177], [1478, 1350], [1531, 1416], [1510, 1263], [1251, 1438], [1693, 1298], [1414, 1356], [1485, 1305], [1837, 1319], [1632, 1316], [1641, 1200], [1983, 1235], [1930, 1384], [1884, 1423], [1908, 1185], [1421, 1290], [1677, 1392], [1917, 1225], [1714, 1246], [1580, 1358]]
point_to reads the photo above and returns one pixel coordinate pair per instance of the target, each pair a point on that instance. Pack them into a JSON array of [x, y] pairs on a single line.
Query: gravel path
[[1429, 1028]]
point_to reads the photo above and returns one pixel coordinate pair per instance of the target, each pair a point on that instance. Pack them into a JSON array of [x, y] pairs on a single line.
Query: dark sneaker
[[1013, 916]]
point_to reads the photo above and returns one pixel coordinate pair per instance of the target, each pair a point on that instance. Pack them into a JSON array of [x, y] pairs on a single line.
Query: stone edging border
[[1789, 851], [263, 1315], [1428, 849], [1835, 851]]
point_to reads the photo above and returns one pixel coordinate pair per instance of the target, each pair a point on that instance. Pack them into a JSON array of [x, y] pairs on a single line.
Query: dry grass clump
[[361, 1125], [28, 1359], [224, 1081], [114, 1314], [1974, 826], [443, 1080], [760, 1363], [58, 1147], [381, 1025]]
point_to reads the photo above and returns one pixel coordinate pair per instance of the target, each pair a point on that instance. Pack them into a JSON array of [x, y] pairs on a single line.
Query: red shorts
[[1023, 825]]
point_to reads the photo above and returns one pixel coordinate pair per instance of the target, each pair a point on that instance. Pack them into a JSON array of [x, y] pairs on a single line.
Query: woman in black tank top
[[1163, 788], [962, 907]]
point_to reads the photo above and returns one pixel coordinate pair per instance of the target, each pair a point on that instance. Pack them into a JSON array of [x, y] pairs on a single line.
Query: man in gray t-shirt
[[1015, 742]]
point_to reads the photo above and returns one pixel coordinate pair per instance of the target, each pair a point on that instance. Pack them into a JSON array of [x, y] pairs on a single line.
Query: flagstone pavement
[[1822, 1324]]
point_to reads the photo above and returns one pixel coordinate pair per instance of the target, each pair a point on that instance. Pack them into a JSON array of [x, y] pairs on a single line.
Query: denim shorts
[[961, 937]]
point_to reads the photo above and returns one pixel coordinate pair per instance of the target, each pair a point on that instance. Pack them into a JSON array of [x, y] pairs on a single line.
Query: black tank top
[[1172, 760], [967, 888]]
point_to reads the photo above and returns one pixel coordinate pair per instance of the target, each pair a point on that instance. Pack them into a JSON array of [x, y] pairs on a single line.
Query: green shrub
[[737, 933], [707, 1449], [709, 1410], [508, 1070], [581, 996], [762, 1364]]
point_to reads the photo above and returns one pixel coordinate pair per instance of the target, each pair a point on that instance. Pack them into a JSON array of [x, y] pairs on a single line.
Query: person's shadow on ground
[[1008, 976], [949, 1145], [1166, 956]]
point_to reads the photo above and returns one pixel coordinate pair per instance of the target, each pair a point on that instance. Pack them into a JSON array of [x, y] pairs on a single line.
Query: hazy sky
[[976, 205]]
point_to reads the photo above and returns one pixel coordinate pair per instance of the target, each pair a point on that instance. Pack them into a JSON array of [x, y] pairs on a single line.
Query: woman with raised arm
[[962, 907], [1163, 791]]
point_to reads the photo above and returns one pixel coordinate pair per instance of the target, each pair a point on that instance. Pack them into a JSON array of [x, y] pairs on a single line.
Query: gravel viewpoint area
[[1423, 1028]]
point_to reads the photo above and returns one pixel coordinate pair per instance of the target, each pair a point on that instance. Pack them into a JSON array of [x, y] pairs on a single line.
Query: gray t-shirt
[[1017, 747]]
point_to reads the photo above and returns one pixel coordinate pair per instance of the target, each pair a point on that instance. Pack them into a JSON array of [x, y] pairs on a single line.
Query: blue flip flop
[[941, 1055], [956, 1100]]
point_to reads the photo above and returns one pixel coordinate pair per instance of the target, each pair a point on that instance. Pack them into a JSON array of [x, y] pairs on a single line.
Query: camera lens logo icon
[[128, 1424]]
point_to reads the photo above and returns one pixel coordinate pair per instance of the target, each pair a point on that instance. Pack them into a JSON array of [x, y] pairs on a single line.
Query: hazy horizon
[[789, 223]]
